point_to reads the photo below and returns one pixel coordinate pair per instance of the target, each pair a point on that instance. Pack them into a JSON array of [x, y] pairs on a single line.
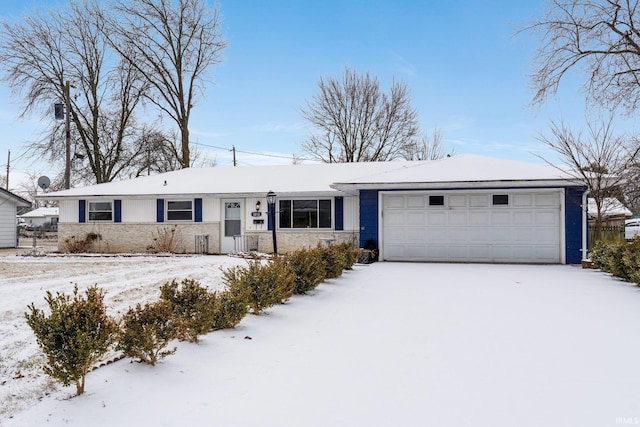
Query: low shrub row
[[78, 331], [622, 259]]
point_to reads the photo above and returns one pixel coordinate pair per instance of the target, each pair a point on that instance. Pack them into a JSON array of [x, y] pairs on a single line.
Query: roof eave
[[533, 183]]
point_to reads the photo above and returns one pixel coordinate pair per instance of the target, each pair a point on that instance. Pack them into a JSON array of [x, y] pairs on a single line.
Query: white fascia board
[[354, 187]]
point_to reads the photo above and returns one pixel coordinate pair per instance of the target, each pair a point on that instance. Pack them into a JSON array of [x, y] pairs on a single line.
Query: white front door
[[231, 236]]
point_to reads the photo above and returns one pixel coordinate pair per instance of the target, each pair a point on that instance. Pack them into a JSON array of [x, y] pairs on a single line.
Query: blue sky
[[467, 72]]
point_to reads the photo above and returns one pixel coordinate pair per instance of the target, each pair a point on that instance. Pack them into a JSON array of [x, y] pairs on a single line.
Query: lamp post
[[271, 201]]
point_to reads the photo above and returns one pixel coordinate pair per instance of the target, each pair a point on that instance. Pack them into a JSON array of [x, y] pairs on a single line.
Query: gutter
[[585, 229]]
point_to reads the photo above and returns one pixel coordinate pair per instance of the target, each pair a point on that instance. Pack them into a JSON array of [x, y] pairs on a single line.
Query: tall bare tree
[[600, 160], [427, 147], [44, 51], [355, 121], [172, 44], [601, 37]]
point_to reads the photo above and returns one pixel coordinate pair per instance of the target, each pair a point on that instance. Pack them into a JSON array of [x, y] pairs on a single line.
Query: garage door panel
[[547, 218], [501, 218], [437, 218], [501, 235], [469, 229], [457, 235], [479, 234], [523, 218], [416, 201], [396, 235], [547, 200], [395, 219], [457, 201], [522, 200], [416, 218], [417, 234], [479, 218], [394, 201], [546, 235], [437, 235], [457, 218]]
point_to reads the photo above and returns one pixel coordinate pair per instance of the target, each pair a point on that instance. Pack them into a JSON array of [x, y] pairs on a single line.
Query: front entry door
[[231, 226]]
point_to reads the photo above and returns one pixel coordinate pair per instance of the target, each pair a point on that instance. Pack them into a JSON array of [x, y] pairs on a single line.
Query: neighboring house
[[9, 204], [46, 217], [614, 213], [464, 208]]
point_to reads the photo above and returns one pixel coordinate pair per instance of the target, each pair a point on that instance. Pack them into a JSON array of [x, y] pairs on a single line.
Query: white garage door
[[472, 227]]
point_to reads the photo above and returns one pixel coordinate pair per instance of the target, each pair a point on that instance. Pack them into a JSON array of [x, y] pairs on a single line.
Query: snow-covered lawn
[[390, 344]]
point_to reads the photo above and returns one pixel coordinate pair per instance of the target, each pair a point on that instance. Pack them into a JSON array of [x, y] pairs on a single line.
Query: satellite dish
[[44, 182]]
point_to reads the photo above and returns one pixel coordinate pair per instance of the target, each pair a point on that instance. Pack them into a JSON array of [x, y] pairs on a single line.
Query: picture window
[[305, 213]]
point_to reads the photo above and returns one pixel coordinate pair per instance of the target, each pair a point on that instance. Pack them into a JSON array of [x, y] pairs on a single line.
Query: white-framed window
[[100, 210], [180, 210], [305, 213]]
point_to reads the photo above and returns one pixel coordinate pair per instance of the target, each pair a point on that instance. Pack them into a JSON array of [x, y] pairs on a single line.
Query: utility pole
[[8, 163], [233, 148], [67, 130]]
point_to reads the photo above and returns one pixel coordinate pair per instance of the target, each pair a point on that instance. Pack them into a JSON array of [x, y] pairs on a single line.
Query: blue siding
[[117, 211], [160, 210], [198, 210], [339, 213], [573, 224], [369, 218], [82, 211]]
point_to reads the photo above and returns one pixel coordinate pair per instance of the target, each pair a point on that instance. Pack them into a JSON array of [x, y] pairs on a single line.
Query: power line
[[277, 156]]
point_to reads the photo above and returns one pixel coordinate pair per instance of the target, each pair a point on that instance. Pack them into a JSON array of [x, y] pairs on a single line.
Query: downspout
[[585, 229]]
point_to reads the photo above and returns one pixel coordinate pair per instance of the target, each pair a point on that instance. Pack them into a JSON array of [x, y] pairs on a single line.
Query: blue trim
[[573, 224], [269, 222], [117, 211], [197, 210], [82, 211], [368, 218], [339, 213], [160, 210]]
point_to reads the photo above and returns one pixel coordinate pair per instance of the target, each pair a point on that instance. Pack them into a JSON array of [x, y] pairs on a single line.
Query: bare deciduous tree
[[356, 122], [40, 54], [172, 44], [600, 36], [600, 160], [428, 147]]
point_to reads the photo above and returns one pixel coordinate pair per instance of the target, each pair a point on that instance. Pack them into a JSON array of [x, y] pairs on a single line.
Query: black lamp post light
[[271, 201]]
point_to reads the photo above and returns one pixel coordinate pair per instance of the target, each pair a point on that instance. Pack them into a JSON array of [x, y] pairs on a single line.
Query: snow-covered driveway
[[394, 344]]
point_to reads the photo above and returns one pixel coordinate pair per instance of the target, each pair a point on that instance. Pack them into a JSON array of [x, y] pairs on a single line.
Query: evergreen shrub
[[74, 336], [229, 309], [609, 257], [264, 285], [308, 267], [146, 332], [192, 305]]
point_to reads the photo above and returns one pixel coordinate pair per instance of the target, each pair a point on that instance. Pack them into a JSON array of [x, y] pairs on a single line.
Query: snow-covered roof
[[8, 195], [40, 213], [325, 178], [610, 207], [472, 170]]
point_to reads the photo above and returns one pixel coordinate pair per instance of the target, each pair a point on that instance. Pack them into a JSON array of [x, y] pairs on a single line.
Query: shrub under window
[[305, 213]]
